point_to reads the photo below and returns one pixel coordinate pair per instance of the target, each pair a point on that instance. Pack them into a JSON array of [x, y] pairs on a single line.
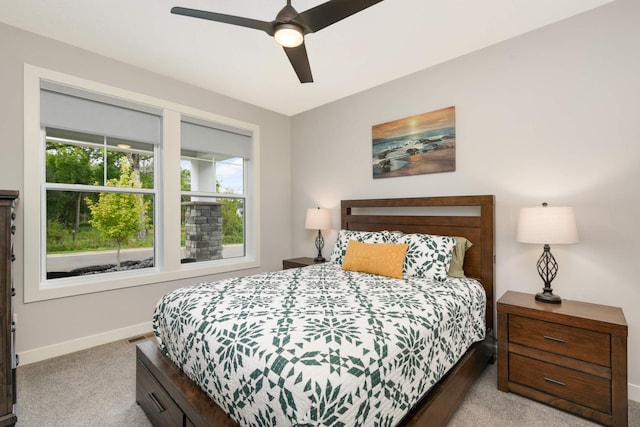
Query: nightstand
[[571, 355], [298, 262]]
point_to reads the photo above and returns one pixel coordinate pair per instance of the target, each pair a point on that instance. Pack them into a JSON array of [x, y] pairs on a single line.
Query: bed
[[170, 397]]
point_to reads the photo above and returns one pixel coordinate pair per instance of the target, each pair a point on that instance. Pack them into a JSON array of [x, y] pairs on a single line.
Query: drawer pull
[[549, 337], [155, 401], [551, 380]]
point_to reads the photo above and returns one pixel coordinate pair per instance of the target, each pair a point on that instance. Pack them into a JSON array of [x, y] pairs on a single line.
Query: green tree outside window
[[119, 216]]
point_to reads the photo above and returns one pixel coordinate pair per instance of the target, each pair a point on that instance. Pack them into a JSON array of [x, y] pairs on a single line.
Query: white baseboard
[[43, 353], [634, 392]]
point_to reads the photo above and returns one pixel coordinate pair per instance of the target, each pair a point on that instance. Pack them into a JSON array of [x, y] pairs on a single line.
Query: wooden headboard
[[436, 215]]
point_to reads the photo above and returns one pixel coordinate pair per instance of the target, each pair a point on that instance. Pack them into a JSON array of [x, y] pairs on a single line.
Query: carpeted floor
[[96, 387]]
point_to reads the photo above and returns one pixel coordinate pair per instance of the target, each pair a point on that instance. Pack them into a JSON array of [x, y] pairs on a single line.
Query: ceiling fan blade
[[300, 62], [227, 19], [333, 11]]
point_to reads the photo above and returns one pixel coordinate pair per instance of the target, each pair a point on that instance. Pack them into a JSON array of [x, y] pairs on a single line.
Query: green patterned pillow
[[428, 256], [340, 248]]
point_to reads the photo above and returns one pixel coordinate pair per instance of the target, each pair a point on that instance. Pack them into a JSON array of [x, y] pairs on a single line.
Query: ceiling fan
[[290, 27]]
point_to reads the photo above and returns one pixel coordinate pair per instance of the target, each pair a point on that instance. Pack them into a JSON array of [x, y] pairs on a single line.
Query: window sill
[[80, 285]]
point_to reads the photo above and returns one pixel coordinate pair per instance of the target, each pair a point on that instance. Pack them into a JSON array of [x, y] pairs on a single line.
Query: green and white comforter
[[318, 345]]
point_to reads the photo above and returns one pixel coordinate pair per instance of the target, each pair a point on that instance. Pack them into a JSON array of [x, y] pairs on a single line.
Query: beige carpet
[[96, 387]]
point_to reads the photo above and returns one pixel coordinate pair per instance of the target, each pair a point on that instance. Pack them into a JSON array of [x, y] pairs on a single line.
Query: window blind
[[207, 139], [74, 109]]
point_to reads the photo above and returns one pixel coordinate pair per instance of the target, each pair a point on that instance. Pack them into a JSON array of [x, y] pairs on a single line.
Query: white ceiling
[[389, 40]]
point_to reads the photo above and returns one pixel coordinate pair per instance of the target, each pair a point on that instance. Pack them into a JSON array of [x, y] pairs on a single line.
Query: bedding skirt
[[319, 345]]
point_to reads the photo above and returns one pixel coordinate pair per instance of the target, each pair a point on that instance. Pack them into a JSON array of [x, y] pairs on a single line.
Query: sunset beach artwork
[[415, 145]]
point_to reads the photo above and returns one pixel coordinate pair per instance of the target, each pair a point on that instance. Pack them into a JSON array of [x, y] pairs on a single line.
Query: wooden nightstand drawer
[[584, 389], [577, 343]]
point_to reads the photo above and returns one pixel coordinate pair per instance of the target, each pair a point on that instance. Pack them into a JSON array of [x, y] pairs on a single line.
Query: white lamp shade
[[318, 219], [547, 225]]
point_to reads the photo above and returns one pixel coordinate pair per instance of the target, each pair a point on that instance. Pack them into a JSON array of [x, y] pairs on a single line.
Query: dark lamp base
[[547, 269], [548, 297], [319, 245]]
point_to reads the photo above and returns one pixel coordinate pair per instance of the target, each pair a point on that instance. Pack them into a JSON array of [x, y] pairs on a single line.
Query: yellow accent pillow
[[384, 259]]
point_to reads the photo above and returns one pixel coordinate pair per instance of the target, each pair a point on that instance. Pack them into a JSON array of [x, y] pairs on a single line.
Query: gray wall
[[50, 323], [549, 116]]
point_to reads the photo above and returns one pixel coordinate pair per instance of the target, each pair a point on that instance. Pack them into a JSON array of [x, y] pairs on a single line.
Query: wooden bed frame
[[170, 398]]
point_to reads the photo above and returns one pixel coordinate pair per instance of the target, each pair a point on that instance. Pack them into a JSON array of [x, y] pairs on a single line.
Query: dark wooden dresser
[[572, 355], [8, 359]]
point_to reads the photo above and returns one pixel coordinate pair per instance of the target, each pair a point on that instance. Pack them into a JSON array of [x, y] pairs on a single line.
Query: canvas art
[[425, 143]]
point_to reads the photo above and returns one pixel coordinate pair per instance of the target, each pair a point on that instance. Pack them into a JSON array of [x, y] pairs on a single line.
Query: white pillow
[[428, 256], [340, 248]]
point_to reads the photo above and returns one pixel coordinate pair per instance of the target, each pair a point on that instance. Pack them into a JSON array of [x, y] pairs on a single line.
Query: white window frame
[[167, 241]]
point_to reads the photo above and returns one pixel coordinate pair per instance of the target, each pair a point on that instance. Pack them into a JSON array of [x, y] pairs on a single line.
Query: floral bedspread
[[318, 345]]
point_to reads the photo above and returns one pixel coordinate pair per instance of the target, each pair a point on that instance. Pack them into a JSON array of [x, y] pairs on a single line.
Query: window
[[100, 198], [99, 204], [99, 182], [213, 195]]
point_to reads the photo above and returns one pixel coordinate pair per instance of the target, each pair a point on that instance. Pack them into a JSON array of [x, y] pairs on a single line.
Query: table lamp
[[547, 225], [318, 219]]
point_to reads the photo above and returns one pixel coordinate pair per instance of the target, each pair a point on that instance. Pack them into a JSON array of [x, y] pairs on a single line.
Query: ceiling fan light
[[289, 35]]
